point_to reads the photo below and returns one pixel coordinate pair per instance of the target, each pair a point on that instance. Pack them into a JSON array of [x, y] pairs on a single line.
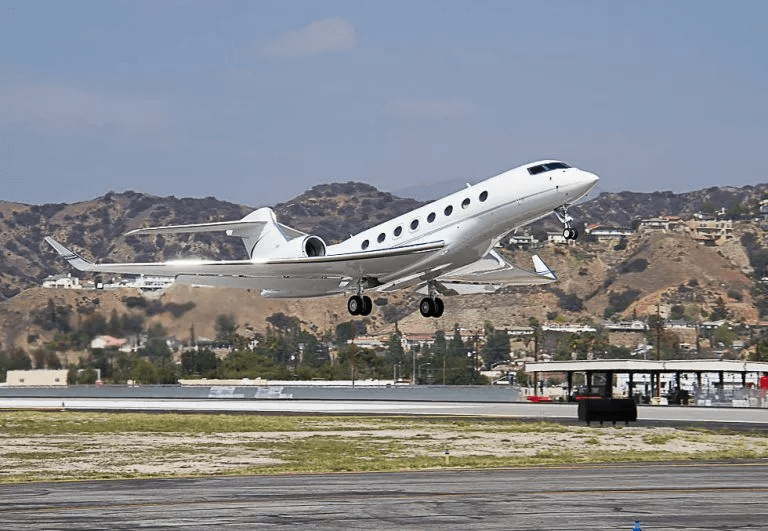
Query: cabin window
[[398, 231], [483, 196], [381, 237], [465, 203], [414, 224], [365, 245], [448, 210], [431, 217]]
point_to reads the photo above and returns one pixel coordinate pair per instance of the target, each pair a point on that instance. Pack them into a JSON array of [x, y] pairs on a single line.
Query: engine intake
[[313, 246]]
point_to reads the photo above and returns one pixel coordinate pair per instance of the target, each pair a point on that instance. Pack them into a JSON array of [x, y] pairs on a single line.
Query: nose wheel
[[569, 233], [357, 305]]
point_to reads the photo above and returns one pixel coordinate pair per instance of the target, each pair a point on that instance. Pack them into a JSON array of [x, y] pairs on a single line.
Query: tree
[[226, 328], [94, 325], [201, 362], [167, 371], [284, 323], [156, 349], [114, 327], [719, 310], [496, 347]]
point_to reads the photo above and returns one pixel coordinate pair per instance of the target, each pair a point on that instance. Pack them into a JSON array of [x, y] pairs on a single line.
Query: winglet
[[74, 259], [542, 268]]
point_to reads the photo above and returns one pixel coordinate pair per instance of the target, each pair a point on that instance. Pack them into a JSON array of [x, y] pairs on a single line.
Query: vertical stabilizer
[[261, 234]]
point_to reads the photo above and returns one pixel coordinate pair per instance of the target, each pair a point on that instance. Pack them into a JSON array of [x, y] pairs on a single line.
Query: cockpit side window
[[541, 168]]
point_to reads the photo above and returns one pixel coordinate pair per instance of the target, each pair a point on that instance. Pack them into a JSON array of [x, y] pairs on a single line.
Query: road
[[722, 496]]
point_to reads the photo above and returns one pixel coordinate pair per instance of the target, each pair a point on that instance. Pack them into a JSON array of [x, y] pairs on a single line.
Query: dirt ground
[[131, 454]]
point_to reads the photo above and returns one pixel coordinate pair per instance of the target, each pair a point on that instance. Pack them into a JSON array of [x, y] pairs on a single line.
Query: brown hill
[[594, 277]]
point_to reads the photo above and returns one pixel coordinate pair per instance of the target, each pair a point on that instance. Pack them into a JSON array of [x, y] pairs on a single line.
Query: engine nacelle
[[306, 246]]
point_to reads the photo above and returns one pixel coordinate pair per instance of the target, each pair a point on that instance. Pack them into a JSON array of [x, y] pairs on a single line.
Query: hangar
[[754, 373]]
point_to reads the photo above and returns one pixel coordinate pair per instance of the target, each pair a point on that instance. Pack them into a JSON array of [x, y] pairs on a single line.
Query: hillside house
[[559, 239], [605, 233], [107, 342], [763, 210], [662, 223], [711, 232], [523, 240], [61, 281]]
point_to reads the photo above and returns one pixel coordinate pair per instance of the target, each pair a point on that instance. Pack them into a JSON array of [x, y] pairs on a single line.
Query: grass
[[58, 445]]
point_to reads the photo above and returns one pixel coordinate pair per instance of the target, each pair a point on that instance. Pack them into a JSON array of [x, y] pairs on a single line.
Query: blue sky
[[255, 102]]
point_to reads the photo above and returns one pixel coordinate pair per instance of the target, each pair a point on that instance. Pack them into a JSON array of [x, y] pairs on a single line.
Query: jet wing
[[489, 274], [263, 273], [232, 228]]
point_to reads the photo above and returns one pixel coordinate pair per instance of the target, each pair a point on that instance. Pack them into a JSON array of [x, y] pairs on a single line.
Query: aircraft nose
[[589, 181]]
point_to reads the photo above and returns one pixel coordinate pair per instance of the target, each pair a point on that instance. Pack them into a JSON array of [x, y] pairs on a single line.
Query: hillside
[[595, 279], [96, 228]]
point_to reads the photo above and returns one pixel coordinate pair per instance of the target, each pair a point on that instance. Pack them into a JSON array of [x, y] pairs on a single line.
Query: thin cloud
[[54, 108], [329, 35], [429, 108]]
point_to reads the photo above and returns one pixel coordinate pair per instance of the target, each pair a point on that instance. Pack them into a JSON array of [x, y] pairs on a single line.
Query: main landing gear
[[431, 306], [569, 233], [359, 305]]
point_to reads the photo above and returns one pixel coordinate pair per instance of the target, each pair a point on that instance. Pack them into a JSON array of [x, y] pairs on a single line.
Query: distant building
[[605, 233], [569, 328], [662, 223], [107, 342], [38, 377], [523, 240], [61, 281], [520, 331], [763, 210], [711, 232], [558, 238], [626, 326]]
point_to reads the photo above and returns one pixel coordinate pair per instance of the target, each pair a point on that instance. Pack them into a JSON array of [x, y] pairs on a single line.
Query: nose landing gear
[[569, 233]]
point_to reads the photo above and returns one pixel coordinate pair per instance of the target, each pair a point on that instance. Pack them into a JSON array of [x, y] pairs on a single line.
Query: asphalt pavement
[[694, 496]]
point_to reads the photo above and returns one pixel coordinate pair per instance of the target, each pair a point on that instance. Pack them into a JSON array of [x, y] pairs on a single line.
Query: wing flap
[[218, 226]]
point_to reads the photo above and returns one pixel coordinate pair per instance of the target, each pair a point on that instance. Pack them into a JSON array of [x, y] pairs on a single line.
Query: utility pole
[[658, 345], [352, 356], [536, 359]]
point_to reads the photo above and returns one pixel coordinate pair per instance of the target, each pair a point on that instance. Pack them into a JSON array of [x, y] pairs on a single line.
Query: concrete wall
[[39, 377]]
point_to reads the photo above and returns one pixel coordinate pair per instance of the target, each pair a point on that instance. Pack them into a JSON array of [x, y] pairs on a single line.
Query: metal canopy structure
[[650, 367]]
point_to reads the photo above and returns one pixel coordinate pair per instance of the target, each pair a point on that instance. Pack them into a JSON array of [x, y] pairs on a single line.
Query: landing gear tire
[[431, 307], [367, 306], [439, 307], [426, 307], [355, 305], [570, 234]]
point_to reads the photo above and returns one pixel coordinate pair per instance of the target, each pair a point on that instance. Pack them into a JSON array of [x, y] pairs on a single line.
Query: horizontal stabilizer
[[74, 259], [490, 274], [542, 269]]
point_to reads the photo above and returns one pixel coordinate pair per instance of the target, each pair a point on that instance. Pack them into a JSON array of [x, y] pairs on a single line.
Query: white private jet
[[442, 248]]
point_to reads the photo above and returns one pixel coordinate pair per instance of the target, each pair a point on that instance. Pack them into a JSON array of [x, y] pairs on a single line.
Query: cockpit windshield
[[549, 166]]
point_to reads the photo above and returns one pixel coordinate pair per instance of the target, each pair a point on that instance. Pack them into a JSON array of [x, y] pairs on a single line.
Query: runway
[[662, 414], [663, 497]]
